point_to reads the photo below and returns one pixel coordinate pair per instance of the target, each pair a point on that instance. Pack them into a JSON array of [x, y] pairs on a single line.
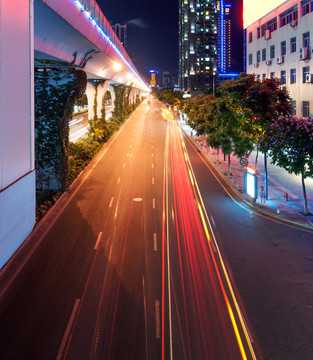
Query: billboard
[[253, 10]]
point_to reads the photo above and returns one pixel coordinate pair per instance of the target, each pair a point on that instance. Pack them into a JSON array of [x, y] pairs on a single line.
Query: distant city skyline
[[152, 33]]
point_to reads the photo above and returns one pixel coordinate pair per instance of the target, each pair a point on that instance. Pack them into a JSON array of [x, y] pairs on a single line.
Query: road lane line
[[152, 154], [153, 203], [152, 166], [226, 276], [124, 165], [153, 181], [111, 202], [155, 242], [98, 240], [118, 180], [146, 320], [157, 319], [67, 330]]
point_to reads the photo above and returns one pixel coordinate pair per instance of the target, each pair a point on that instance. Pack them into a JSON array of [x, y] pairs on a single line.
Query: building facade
[[224, 37], [197, 44], [121, 32], [278, 45]]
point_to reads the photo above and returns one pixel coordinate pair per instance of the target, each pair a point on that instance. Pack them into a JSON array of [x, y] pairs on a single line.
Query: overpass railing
[[96, 15]]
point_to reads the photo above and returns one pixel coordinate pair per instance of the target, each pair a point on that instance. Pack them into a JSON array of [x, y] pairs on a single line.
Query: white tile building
[[279, 44]]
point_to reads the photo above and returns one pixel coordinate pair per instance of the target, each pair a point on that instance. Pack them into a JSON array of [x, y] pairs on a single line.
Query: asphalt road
[[151, 257]]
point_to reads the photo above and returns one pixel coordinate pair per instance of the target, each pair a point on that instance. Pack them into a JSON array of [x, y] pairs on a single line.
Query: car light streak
[[202, 270], [230, 287], [78, 134]]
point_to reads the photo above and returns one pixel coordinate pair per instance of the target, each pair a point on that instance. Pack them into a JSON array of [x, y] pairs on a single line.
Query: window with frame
[[250, 59], [258, 33], [263, 54], [306, 108], [272, 24], [306, 39], [293, 45], [272, 75], [287, 16], [293, 76], [283, 77], [305, 71], [258, 56], [272, 51], [293, 104], [306, 7], [250, 37], [283, 48], [258, 77], [263, 77]]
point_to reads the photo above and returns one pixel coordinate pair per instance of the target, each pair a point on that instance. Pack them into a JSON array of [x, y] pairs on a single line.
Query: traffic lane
[[202, 313], [271, 266], [126, 285], [44, 293]]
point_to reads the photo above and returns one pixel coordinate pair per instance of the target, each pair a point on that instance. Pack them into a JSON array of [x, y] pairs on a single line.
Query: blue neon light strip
[[90, 18], [222, 35]]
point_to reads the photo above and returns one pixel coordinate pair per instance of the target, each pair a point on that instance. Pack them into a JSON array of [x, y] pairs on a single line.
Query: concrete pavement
[[280, 182]]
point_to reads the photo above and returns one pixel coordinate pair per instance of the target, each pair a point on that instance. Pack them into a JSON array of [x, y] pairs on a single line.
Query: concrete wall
[[17, 175], [298, 91]]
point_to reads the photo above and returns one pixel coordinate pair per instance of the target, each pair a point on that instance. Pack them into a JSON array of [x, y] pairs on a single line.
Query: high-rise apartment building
[[197, 44], [204, 43]]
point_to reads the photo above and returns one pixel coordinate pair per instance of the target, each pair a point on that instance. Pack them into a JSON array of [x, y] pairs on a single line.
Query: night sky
[[152, 32]]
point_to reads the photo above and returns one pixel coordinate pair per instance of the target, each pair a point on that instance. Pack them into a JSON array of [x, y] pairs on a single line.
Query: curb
[[239, 194]]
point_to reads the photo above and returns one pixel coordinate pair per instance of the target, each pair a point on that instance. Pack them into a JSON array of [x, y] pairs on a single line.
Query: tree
[[230, 129], [289, 142], [264, 100], [169, 96]]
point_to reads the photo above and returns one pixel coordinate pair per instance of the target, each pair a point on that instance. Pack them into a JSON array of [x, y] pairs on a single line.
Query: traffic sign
[[244, 162]]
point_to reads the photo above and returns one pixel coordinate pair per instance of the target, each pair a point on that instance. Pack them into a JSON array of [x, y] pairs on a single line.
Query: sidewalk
[[279, 183]]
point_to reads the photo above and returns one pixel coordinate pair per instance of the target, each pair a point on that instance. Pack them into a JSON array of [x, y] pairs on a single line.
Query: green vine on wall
[[55, 94]]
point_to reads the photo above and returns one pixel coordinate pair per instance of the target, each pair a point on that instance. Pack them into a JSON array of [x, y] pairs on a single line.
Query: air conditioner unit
[[309, 78], [256, 64], [280, 60], [267, 34], [293, 23], [268, 62], [304, 53]]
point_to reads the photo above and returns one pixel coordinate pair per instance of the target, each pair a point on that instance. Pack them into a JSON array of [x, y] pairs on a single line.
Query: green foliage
[[169, 96], [237, 118], [55, 94], [289, 142]]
